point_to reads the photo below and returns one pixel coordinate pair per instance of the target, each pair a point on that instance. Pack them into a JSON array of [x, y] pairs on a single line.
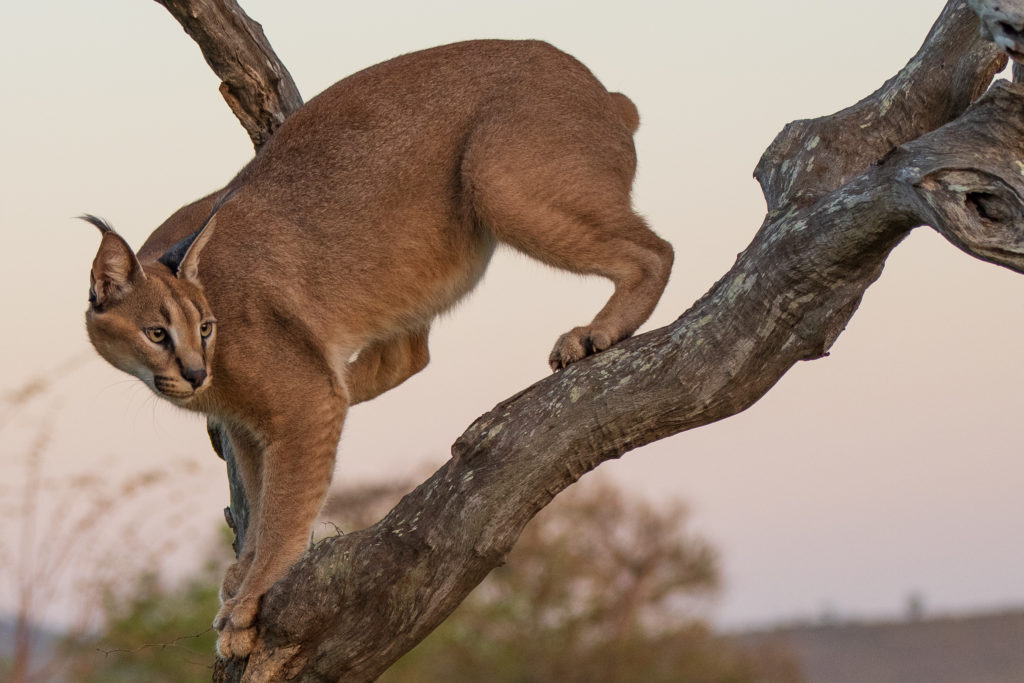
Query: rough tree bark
[[930, 147]]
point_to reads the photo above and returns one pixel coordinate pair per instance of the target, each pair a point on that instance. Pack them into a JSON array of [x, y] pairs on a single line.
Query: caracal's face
[[160, 330]]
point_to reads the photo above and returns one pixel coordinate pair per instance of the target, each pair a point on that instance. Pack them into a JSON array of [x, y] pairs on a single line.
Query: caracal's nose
[[194, 376]]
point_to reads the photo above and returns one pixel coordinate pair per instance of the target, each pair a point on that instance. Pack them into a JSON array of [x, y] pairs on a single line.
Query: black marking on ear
[[173, 256], [98, 222]]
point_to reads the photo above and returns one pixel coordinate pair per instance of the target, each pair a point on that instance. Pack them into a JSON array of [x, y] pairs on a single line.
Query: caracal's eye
[[206, 329], [157, 335]]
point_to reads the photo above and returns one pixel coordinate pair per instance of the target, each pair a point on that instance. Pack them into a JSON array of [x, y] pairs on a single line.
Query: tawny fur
[[374, 208]]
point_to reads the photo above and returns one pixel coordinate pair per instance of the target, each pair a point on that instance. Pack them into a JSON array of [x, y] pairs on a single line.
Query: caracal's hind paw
[[577, 344]]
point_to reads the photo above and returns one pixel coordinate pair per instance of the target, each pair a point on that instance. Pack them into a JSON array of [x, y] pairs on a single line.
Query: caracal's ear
[[188, 269], [115, 270]]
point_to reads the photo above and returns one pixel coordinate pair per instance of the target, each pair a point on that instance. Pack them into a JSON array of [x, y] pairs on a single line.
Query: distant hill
[[987, 648]]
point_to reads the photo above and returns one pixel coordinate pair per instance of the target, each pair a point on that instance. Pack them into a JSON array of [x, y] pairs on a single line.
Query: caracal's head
[[152, 321]]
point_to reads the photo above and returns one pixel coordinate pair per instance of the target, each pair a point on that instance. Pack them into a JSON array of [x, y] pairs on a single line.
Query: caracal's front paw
[[236, 642], [577, 344], [234, 621]]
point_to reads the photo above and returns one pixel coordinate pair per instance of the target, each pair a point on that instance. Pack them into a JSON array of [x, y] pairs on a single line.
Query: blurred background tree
[[72, 541], [600, 588], [151, 634]]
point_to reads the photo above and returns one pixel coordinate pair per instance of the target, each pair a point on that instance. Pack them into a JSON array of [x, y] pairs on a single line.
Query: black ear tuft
[[98, 222], [173, 256]]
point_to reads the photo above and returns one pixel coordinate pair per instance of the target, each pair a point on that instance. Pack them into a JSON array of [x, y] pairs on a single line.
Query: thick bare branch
[[970, 185], [254, 82]]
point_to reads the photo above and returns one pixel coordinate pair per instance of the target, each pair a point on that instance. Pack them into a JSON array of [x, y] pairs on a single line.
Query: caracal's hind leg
[[638, 262], [384, 364], [578, 217], [300, 443]]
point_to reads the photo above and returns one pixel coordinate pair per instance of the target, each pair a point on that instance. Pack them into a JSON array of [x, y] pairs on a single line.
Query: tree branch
[[254, 82], [842, 192]]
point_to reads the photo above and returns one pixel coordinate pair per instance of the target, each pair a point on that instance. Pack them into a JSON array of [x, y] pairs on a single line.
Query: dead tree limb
[[255, 84], [842, 192]]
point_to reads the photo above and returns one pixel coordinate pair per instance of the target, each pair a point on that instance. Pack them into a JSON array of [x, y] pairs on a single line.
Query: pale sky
[[891, 467]]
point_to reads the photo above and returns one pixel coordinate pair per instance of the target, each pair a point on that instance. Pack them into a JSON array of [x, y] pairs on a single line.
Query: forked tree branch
[[842, 192]]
